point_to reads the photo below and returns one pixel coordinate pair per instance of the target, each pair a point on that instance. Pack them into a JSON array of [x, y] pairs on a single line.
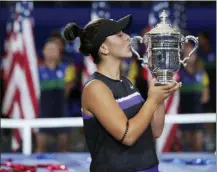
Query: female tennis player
[[119, 125]]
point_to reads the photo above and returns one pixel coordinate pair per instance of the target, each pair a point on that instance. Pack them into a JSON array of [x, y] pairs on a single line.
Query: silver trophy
[[164, 44]]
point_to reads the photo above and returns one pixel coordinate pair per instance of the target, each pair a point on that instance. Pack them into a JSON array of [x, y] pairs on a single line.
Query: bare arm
[[68, 87], [205, 92], [157, 123], [97, 99], [205, 95], [70, 78], [111, 116], [158, 120]]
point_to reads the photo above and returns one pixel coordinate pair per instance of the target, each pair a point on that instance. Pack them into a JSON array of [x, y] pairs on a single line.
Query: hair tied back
[[72, 31]]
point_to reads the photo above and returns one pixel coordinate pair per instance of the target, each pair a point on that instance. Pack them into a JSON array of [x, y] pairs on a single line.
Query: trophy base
[[164, 78]]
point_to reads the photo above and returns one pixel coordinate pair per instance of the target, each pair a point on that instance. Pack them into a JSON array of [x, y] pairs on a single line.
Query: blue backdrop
[[48, 19]]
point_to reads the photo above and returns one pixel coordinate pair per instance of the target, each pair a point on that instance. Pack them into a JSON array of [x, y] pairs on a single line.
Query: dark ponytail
[[86, 35], [72, 31]]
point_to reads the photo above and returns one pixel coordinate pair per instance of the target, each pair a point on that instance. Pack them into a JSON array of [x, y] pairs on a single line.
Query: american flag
[[20, 68], [98, 10], [177, 18]]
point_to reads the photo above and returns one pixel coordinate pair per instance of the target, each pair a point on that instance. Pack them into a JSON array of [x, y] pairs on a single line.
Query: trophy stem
[[164, 77]]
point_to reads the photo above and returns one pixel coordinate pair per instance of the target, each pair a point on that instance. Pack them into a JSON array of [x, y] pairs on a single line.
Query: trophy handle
[[195, 40], [140, 40]]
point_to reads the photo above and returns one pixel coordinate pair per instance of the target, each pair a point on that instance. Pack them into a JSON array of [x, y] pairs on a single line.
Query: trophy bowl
[[164, 45]]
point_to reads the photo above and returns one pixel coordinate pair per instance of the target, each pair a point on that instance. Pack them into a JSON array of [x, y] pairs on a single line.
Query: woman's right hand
[[159, 93]]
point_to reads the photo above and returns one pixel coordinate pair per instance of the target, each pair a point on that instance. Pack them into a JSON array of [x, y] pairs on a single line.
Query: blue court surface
[[79, 162]]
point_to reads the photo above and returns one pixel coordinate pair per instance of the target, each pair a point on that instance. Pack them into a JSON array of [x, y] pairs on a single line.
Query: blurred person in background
[[208, 61], [72, 88], [66, 59], [54, 77], [193, 94]]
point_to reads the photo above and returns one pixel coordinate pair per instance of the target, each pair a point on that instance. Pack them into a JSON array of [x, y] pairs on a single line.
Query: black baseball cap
[[111, 27]]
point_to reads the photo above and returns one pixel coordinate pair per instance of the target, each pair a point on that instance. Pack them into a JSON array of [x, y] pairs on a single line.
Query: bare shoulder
[[95, 91], [95, 87], [98, 101]]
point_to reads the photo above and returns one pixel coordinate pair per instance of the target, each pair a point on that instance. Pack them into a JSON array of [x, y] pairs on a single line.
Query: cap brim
[[124, 22], [111, 27]]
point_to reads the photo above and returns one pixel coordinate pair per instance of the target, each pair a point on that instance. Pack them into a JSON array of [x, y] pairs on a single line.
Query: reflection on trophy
[[164, 46]]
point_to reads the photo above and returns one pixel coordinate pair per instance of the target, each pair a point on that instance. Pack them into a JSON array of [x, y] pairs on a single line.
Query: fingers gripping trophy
[[164, 45]]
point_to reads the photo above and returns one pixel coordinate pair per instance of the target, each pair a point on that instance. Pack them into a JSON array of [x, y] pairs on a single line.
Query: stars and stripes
[[20, 68]]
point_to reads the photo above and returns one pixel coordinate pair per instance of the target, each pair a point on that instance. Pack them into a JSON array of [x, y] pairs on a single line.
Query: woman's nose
[[127, 37]]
